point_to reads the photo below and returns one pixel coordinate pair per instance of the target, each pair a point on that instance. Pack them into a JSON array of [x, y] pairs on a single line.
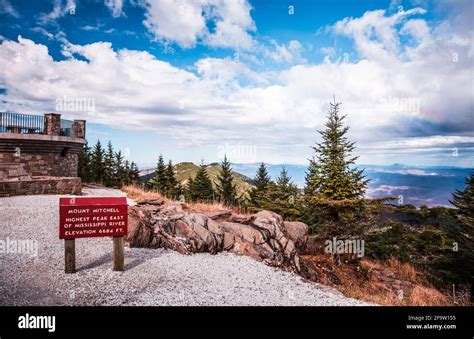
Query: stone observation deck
[[39, 154]]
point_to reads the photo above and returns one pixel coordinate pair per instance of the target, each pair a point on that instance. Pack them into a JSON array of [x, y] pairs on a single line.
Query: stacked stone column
[[52, 124]]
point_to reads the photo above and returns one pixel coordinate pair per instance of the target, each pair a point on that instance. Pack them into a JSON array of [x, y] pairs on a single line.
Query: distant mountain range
[[431, 186]]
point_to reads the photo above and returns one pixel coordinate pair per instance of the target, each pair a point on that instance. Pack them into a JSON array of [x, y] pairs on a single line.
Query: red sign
[[92, 217]]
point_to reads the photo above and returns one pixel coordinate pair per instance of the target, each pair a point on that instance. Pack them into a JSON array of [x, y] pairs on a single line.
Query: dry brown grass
[[381, 294], [213, 207], [138, 193], [426, 296], [403, 271], [393, 284]]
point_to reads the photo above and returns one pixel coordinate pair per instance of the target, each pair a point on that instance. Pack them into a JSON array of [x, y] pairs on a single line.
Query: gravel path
[[152, 277]]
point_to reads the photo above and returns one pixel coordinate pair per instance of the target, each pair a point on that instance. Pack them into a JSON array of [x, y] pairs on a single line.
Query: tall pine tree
[[226, 189], [201, 187], [161, 180], [463, 259], [119, 170], [464, 202], [281, 196], [283, 181], [188, 189], [109, 165], [262, 178], [97, 163], [331, 173], [84, 170], [261, 182], [134, 172], [172, 190]]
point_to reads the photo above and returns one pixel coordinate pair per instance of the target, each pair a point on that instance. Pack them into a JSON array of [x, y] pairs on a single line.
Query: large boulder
[[298, 232], [263, 236]]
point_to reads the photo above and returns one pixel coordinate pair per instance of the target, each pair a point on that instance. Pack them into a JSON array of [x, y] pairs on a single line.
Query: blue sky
[[196, 79]]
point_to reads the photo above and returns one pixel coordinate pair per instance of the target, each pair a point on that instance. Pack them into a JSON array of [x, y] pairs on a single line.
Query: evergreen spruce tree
[[127, 173], [331, 174], [463, 258], [97, 163], [262, 179], [188, 188], [134, 172], [281, 197], [283, 182], [161, 180], [201, 187], [464, 202], [119, 171], [172, 191], [109, 165], [226, 189], [84, 164], [261, 182]]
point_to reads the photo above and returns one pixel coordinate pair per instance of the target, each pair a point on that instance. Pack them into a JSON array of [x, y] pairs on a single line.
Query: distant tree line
[[165, 181], [105, 166], [197, 189]]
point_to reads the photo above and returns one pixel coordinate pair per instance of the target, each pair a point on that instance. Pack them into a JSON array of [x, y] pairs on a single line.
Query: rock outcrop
[[263, 236]]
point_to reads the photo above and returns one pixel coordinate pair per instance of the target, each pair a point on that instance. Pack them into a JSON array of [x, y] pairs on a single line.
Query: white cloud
[[223, 71], [232, 24], [417, 28], [7, 8], [176, 20], [290, 53], [375, 34], [115, 7], [44, 32], [385, 190], [184, 22], [60, 9], [223, 100]]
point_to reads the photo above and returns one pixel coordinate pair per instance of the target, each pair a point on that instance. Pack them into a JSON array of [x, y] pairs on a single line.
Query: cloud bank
[[222, 100]]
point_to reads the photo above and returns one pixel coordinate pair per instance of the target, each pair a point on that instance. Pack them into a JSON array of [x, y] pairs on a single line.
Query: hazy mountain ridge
[[186, 170], [431, 186]]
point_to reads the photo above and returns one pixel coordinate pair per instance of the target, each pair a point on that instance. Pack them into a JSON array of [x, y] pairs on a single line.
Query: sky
[[197, 79]]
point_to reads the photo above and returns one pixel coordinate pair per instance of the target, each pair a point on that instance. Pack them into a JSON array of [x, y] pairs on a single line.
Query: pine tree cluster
[[105, 166], [165, 181], [280, 196]]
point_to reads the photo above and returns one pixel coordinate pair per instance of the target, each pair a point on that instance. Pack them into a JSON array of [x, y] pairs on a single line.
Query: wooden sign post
[[92, 217]]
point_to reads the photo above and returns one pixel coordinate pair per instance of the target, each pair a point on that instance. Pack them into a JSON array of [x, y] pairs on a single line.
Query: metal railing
[[21, 123], [30, 124]]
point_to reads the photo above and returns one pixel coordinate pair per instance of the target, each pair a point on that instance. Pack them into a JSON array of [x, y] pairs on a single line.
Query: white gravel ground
[[152, 277]]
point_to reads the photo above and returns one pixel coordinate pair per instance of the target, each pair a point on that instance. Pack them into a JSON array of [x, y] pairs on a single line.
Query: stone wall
[[41, 163], [41, 154], [45, 185], [44, 164], [13, 171]]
